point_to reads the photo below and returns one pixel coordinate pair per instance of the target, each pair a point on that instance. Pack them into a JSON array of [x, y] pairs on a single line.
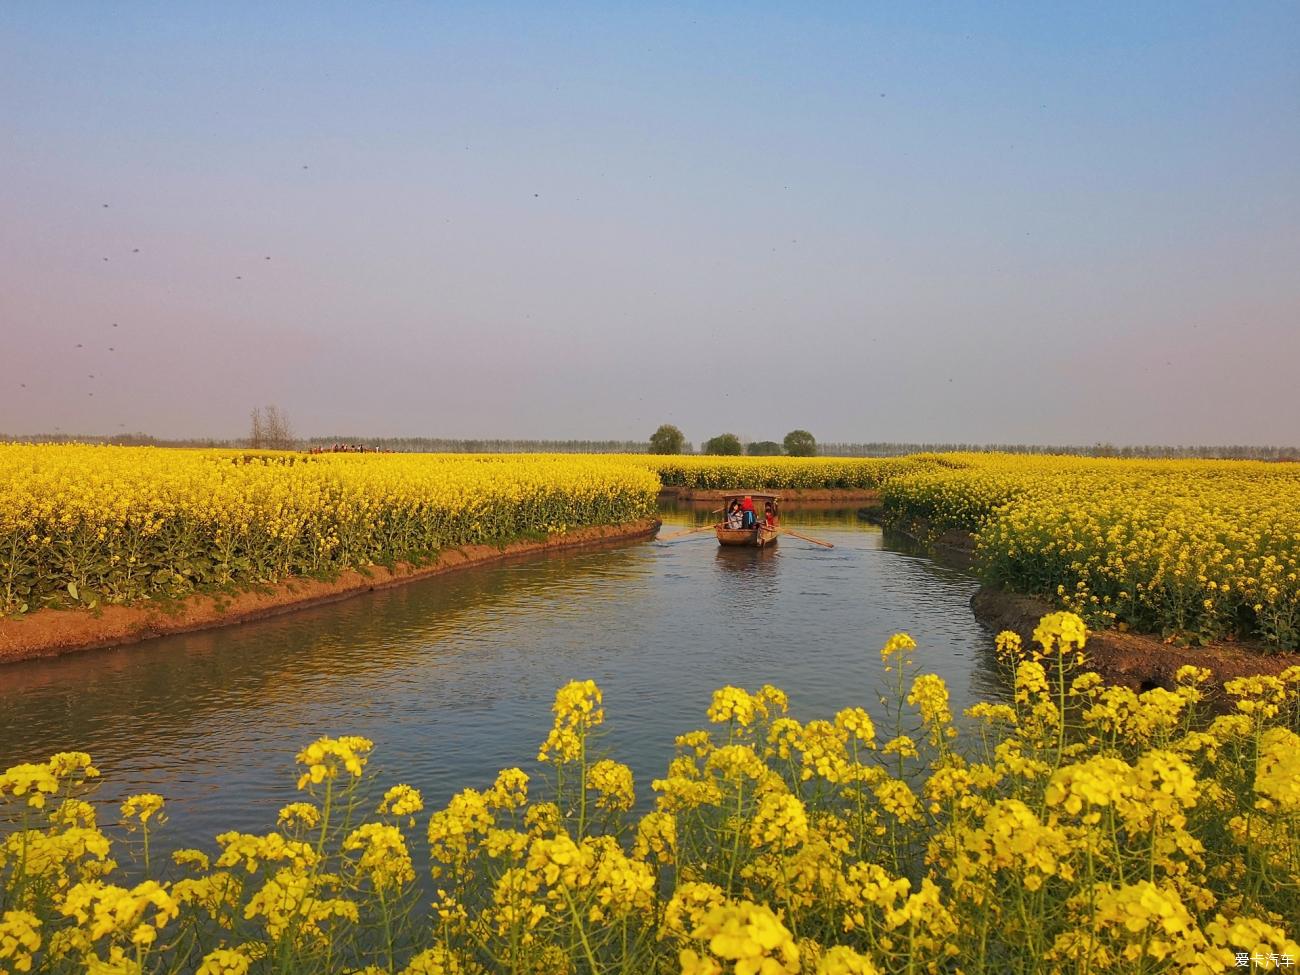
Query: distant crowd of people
[[742, 514]]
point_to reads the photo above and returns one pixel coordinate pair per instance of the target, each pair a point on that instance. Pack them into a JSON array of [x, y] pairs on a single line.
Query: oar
[[806, 538], [690, 531]]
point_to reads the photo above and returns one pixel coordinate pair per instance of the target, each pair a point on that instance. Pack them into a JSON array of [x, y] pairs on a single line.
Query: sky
[[1037, 223]]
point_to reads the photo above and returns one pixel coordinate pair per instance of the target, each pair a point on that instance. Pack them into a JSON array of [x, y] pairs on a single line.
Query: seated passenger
[[748, 518], [769, 515], [734, 517]]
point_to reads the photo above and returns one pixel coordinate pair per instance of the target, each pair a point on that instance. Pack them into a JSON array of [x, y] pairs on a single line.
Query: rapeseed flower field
[[774, 472], [1197, 550], [1193, 550], [90, 525], [1071, 827]]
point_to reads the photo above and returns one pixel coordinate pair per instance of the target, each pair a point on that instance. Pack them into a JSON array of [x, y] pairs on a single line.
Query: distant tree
[[270, 429], [800, 443], [724, 444], [763, 448], [667, 440]]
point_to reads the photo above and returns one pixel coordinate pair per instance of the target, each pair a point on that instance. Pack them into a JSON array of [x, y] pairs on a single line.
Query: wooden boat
[[760, 535]]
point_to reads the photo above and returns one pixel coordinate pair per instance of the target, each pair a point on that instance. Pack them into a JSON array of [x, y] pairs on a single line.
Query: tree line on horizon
[[753, 448], [670, 440]]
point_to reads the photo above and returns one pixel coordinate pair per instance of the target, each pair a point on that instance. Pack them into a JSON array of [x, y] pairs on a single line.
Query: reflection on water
[[453, 677]]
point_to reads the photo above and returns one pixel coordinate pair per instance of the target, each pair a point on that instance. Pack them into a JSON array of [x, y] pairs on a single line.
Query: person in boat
[[769, 515], [734, 517], [748, 518]]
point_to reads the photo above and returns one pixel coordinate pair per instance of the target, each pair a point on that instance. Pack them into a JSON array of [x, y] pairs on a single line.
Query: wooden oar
[[689, 531], [806, 538]]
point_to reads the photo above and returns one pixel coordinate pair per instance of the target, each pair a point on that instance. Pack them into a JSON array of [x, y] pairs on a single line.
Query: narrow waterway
[[453, 677]]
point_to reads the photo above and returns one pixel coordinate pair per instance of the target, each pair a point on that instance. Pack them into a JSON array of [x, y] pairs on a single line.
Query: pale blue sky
[[1038, 222]]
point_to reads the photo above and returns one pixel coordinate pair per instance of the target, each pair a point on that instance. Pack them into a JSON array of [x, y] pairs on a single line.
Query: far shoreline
[[792, 497]]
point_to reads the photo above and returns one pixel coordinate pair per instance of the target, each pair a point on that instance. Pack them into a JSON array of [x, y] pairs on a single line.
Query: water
[[453, 677]]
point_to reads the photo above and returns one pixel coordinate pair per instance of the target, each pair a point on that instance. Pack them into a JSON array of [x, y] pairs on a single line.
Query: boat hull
[[757, 537]]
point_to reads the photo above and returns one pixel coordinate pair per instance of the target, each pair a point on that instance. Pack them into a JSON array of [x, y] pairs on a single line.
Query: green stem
[[735, 844], [582, 786], [582, 934], [325, 814]]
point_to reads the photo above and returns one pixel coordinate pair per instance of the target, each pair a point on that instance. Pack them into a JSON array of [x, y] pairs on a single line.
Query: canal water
[[453, 677]]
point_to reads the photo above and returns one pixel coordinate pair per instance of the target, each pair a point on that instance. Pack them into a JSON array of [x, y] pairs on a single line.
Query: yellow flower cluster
[[1079, 829], [577, 711], [34, 781], [90, 525], [19, 940], [401, 800], [326, 757]]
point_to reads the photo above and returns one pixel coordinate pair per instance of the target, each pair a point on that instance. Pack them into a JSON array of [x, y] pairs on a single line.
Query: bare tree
[[270, 429]]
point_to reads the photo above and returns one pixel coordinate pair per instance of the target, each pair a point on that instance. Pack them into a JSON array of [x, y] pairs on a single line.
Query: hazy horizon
[[944, 224]]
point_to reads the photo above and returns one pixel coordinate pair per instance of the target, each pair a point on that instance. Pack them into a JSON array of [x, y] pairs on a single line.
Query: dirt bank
[[1136, 660], [49, 632], [790, 496]]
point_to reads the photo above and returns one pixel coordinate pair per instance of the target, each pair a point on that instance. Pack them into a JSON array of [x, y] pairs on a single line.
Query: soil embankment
[[1137, 660], [50, 632]]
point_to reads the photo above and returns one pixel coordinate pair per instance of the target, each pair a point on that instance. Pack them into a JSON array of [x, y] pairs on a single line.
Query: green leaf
[[72, 590]]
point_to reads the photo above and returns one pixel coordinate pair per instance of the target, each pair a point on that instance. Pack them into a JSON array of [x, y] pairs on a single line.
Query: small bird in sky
[[115, 324], [135, 250], [78, 345]]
